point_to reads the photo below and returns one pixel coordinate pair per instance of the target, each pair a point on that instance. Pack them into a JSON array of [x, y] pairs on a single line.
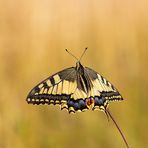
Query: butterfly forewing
[[54, 89]]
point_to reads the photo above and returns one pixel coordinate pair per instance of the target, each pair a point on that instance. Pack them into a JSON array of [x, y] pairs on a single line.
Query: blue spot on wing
[[77, 104], [99, 101]]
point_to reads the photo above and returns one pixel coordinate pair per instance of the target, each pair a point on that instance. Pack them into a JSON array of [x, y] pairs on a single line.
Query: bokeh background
[[33, 36]]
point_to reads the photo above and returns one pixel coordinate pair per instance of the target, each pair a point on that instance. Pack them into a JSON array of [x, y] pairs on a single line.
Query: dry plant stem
[[110, 115]]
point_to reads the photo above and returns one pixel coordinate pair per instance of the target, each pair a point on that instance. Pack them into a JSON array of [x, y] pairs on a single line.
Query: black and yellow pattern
[[76, 89]]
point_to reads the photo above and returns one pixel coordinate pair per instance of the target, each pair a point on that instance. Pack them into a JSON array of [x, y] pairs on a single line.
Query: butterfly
[[77, 88]]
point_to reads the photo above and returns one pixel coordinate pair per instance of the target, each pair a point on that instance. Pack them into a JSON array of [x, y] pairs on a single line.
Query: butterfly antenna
[[72, 54], [110, 115], [83, 53]]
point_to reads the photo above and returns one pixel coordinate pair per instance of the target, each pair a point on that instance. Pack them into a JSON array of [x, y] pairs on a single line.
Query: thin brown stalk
[[123, 137]]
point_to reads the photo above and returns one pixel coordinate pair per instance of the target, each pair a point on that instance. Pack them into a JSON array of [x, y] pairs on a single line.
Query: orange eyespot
[[90, 103]]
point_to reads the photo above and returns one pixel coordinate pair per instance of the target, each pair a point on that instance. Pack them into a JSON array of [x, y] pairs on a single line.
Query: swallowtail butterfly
[[77, 89]]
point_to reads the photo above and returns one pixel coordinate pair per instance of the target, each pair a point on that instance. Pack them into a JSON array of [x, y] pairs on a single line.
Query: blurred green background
[[33, 36]]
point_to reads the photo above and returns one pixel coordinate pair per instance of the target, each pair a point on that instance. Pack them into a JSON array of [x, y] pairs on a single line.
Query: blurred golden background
[[33, 36]]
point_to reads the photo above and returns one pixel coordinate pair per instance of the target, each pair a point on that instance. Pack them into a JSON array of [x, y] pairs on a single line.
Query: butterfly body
[[76, 89]]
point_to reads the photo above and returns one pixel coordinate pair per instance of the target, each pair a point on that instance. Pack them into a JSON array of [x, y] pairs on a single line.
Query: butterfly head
[[79, 66]]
